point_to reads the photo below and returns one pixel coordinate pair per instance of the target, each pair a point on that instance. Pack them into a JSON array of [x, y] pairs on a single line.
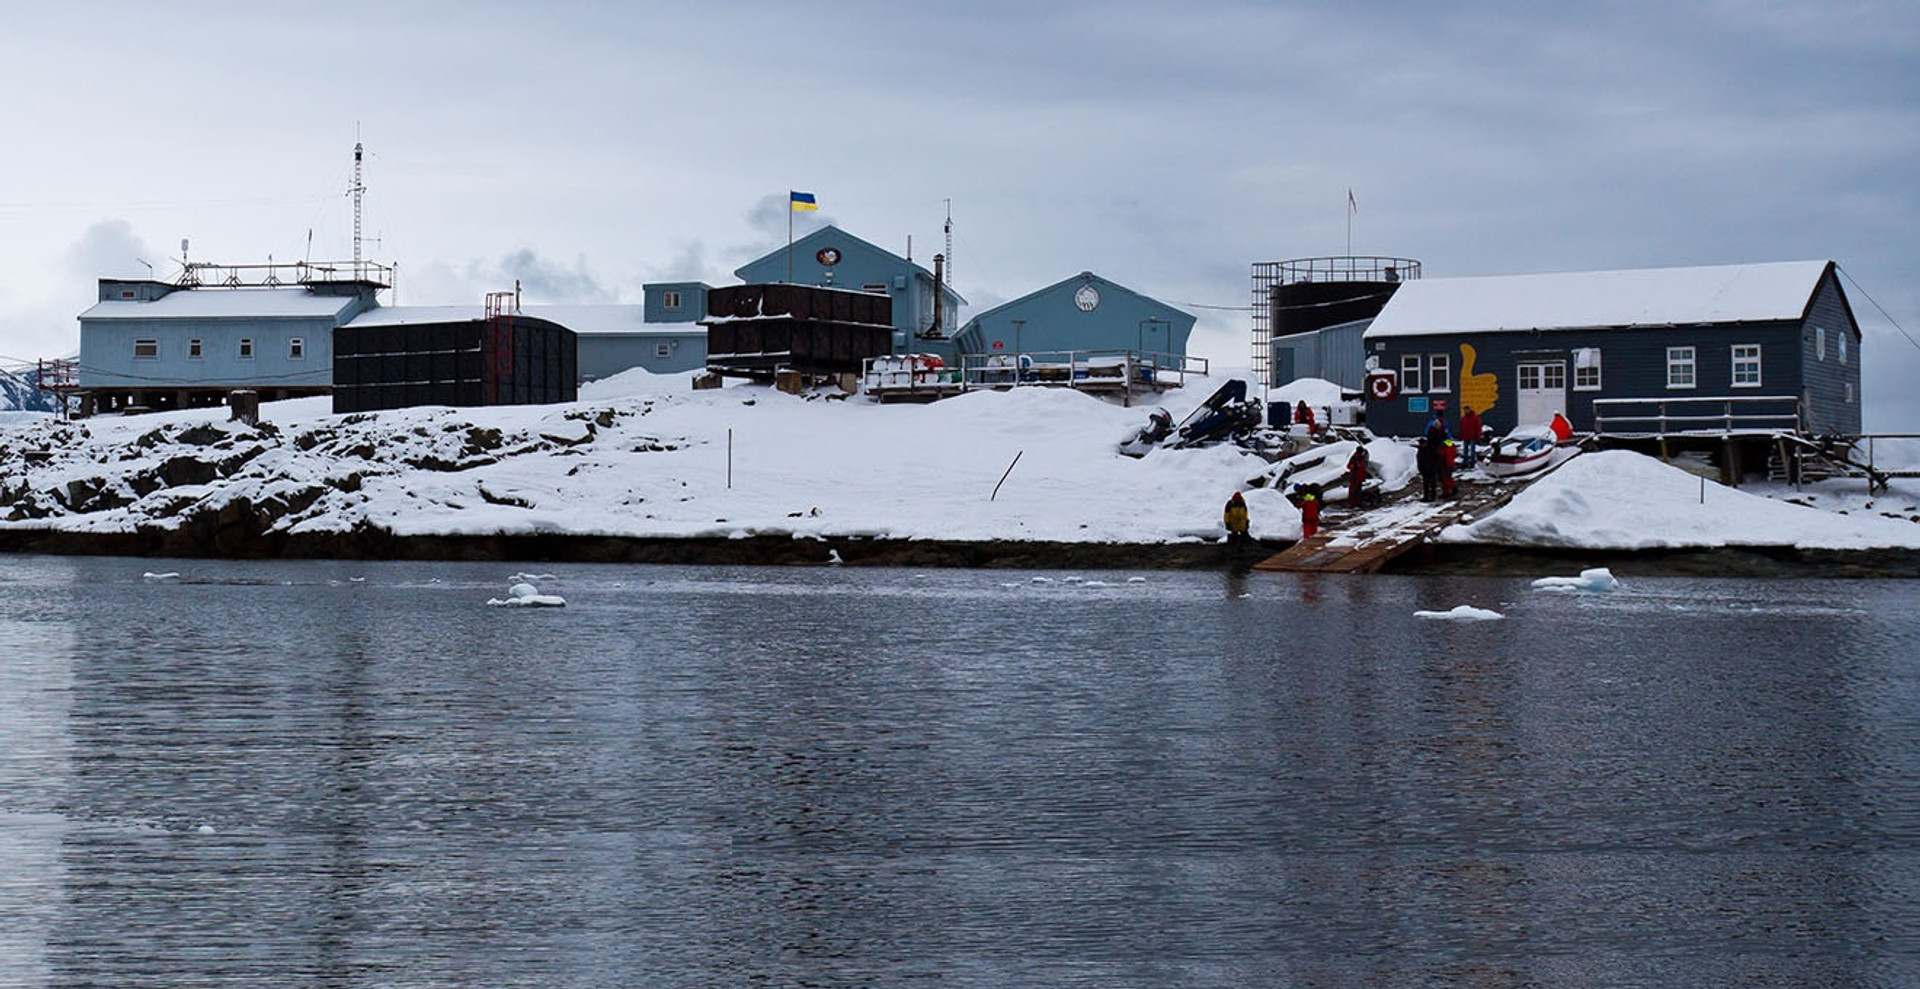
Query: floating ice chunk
[[169, 575], [524, 595], [1136, 580], [1594, 579], [206, 829], [528, 578], [1462, 613]]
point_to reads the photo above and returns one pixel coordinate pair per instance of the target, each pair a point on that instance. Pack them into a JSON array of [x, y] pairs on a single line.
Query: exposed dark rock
[[205, 434], [179, 471]]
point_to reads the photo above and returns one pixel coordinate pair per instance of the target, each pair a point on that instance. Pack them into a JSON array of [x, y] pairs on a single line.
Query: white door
[[1542, 391]]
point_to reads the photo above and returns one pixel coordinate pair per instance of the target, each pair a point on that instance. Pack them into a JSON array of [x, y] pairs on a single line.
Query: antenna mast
[[949, 242], [358, 191]]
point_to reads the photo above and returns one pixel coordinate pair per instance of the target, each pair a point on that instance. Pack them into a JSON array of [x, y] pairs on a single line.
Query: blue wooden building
[[155, 345], [1745, 348], [1081, 313], [923, 318]]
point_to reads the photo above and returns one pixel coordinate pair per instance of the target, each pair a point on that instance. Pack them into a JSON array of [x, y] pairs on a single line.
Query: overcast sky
[[587, 148]]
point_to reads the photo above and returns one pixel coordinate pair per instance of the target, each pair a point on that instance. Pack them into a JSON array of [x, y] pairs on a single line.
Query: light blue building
[[1082, 313], [150, 344], [923, 319], [662, 335]]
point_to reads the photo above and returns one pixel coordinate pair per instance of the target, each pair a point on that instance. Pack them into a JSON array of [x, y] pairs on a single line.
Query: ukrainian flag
[[802, 201]]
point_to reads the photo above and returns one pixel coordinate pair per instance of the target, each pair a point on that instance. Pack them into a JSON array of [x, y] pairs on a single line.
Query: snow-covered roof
[[1732, 293], [614, 319], [225, 303]]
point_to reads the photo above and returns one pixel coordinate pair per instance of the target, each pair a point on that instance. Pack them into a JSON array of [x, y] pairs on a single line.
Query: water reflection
[[264, 773]]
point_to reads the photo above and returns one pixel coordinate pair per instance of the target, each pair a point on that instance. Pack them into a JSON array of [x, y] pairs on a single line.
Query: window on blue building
[[246, 348], [296, 349], [1746, 365], [1586, 369], [1410, 373], [194, 349], [1680, 367], [146, 348]]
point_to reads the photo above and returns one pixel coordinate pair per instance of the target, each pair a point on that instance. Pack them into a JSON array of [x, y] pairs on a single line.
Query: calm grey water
[[352, 774]]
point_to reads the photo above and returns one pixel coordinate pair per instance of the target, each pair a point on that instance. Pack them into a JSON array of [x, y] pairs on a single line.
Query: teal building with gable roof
[[1081, 313]]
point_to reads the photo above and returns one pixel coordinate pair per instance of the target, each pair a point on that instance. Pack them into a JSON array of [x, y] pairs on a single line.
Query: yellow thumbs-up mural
[[1480, 392]]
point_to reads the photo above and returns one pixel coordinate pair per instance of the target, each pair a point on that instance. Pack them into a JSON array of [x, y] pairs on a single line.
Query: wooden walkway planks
[[1363, 542]]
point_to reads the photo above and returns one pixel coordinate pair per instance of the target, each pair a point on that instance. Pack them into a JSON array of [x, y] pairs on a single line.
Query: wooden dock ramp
[[1363, 542]]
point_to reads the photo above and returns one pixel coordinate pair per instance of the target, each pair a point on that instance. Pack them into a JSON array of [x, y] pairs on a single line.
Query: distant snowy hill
[[19, 395]]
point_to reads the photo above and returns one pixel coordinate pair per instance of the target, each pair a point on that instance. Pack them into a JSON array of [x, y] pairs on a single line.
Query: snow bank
[[1625, 501]]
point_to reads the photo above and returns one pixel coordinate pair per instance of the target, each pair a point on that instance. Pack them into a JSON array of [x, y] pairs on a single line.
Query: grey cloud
[[543, 280], [110, 249]]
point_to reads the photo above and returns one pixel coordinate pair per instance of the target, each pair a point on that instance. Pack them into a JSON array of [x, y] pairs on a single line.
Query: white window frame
[[196, 349], [1681, 359], [1746, 365], [1819, 343], [1410, 374], [669, 300], [663, 350], [1586, 369], [296, 349], [246, 348], [1440, 373], [1840, 340], [146, 348]]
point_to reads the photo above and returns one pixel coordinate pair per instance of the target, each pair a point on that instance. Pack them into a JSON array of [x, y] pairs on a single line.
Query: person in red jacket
[[1357, 466], [1469, 438]]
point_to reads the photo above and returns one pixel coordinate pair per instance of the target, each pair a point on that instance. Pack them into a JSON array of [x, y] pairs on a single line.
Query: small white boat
[[1522, 451]]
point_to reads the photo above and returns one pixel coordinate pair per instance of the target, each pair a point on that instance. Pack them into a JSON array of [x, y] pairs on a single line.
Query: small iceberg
[[169, 575], [1595, 579], [525, 595], [1462, 613]]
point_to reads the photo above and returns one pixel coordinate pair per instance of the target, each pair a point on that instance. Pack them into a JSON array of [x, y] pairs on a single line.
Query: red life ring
[[1383, 387]]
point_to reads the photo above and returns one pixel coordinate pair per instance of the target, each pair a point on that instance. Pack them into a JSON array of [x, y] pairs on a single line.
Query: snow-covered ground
[[643, 455]]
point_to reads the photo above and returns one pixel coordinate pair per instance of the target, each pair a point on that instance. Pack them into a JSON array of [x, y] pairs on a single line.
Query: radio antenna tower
[[358, 191], [949, 242]]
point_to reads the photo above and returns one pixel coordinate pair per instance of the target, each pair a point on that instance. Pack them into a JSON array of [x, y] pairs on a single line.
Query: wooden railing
[[1695, 416]]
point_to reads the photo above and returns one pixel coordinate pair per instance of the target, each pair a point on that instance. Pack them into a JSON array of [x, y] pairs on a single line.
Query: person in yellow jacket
[[1235, 518]]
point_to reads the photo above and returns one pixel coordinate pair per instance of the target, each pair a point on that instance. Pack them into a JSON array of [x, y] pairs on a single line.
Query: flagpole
[[1349, 223], [790, 238]]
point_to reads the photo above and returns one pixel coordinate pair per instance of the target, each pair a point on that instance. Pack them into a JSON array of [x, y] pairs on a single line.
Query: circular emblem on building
[[1087, 299], [828, 256]]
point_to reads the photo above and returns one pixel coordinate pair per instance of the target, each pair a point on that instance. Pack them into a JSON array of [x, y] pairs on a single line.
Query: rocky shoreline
[[210, 539]]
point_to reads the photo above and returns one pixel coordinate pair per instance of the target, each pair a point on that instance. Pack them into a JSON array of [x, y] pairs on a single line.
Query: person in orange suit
[[1309, 510]]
